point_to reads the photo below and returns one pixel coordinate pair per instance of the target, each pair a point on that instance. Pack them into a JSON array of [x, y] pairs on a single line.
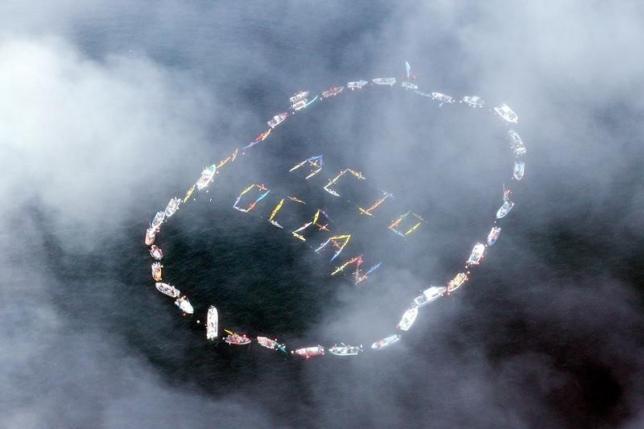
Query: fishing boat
[[478, 252], [212, 323], [408, 318], [150, 236], [172, 207], [207, 176], [332, 92], [235, 339], [429, 295], [458, 281], [345, 350], [277, 119], [507, 114], [385, 342], [184, 305], [519, 170], [168, 290], [271, 344], [493, 235], [157, 271], [390, 81], [473, 101], [357, 85], [156, 252], [516, 144], [309, 352]]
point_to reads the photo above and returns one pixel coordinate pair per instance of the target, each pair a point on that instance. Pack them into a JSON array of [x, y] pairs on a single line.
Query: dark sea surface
[[550, 326]]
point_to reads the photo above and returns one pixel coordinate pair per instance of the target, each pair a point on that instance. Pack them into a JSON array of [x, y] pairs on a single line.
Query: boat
[[172, 207], [207, 176], [408, 318], [156, 252], [301, 95], [303, 104], [271, 344], [235, 339], [408, 85], [332, 92], [158, 220], [458, 281], [493, 235], [212, 323], [309, 352], [391, 81], [519, 170], [184, 305], [473, 101], [507, 114], [168, 290], [385, 342], [516, 144], [157, 271], [478, 252], [277, 119], [442, 98], [357, 85], [429, 295], [150, 236], [345, 350], [504, 209]]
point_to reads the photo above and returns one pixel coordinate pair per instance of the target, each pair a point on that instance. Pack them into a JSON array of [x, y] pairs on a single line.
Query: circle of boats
[[299, 102]]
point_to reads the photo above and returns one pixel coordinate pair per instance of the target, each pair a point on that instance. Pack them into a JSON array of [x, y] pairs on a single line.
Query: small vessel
[[507, 114], [303, 104], [442, 98], [157, 271], [168, 290], [516, 144], [385, 342], [357, 85], [391, 81], [235, 339], [158, 220], [519, 170], [473, 101], [408, 85], [493, 235], [301, 95], [172, 207], [408, 318], [271, 344], [345, 350], [150, 236], [277, 119], [207, 176], [184, 305], [478, 252], [156, 252], [332, 92], [212, 323], [309, 352], [504, 209], [429, 295], [458, 281]]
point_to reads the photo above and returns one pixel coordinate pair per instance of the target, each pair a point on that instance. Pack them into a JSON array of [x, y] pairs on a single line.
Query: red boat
[[309, 352]]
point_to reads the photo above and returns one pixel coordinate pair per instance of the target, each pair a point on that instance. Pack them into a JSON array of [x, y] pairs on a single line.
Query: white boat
[[391, 81], [207, 176], [408, 318], [277, 119], [429, 295], [267, 342], [473, 101], [332, 92], [158, 220], [235, 339], [157, 271], [172, 207], [385, 342], [184, 305], [408, 85], [309, 352], [478, 252], [519, 170], [516, 143], [303, 104], [156, 252], [168, 290], [345, 350], [212, 323], [493, 235], [458, 281], [301, 95], [357, 85], [507, 114], [150, 236], [505, 208], [442, 98]]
